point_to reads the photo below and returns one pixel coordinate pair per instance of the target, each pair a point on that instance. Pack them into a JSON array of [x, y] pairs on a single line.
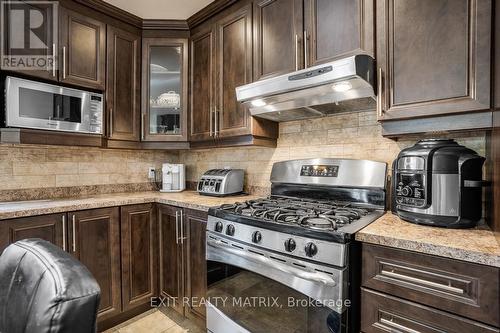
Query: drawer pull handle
[[424, 282], [397, 326]]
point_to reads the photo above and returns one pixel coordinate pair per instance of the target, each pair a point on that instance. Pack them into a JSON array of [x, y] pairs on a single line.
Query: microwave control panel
[[96, 112], [410, 189]]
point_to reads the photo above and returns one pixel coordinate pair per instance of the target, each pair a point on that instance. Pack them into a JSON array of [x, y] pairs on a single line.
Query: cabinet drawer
[[383, 313], [466, 289]]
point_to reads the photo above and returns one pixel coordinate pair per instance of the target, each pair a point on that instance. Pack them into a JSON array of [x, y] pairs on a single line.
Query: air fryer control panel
[[410, 182]]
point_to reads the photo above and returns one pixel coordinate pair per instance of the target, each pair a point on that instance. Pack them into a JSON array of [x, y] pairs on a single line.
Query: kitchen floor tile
[[156, 322]]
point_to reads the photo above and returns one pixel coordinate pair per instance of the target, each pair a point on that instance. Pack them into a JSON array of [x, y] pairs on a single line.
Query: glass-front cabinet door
[[164, 92]]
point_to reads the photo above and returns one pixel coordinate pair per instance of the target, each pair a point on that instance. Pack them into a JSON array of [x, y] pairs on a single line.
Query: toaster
[[221, 182], [438, 182]]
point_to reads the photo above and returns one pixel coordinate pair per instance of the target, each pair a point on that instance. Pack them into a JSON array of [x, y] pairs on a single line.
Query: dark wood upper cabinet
[[337, 28], [202, 85], [138, 249], [221, 60], [51, 228], [123, 87], [95, 240], [433, 57], [195, 224], [234, 68], [82, 50], [170, 256], [165, 89], [278, 39], [46, 34]]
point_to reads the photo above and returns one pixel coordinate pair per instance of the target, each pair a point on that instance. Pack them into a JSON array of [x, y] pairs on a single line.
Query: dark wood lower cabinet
[[182, 260], [383, 313], [135, 252], [195, 224], [171, 256], [48, 227], [138, 253], [95, 241], [405, 291]]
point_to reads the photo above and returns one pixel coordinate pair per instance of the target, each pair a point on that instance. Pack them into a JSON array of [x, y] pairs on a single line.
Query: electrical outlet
[[151, 173]]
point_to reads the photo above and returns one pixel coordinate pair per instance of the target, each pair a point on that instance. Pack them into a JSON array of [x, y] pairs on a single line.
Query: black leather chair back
[[44, 289]]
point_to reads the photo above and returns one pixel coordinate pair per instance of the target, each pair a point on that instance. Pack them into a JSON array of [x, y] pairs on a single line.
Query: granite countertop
[[185, 199], [477, 245]]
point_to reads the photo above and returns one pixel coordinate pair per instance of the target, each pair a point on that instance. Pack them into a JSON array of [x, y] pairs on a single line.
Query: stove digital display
[[320, 171]]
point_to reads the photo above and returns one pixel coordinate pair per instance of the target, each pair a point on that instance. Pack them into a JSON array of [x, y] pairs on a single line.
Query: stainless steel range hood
[[343, 85]]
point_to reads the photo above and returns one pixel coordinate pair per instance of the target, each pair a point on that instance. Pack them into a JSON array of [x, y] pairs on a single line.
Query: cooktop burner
[[306, 213]]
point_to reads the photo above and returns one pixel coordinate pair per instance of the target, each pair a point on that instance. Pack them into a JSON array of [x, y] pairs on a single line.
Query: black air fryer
[[438, 182]]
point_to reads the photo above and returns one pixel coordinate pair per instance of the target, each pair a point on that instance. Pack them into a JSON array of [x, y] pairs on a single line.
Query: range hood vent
[[343, 85]]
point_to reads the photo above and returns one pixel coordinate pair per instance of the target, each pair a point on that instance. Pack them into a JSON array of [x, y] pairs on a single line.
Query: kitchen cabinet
[[51, 228], [82, 50], [295, 34], [138, 255], [80, 53], [94, 239], [337, 28], [382, 313], [46, 35], [171, 255], [433, 57], [221, 60], [234, 68], [164, 89], [279, 37], [195, 224], [414, 289], [123, 99], [182, 263], [202, 85]]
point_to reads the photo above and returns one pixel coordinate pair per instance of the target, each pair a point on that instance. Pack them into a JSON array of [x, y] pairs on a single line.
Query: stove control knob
[[290, 245], [256, 237], [311, 249], [219, 226], [406, 191], [230, 230]]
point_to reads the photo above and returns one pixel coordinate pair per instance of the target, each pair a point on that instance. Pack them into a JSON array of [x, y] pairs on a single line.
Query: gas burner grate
[[307, 213]]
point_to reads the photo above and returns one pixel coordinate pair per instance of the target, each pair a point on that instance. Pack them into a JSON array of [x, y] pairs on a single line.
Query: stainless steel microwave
[[31, 104]]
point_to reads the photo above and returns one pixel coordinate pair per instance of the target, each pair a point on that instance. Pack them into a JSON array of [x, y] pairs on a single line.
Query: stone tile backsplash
[[27, 167], [95, 170], [349, 135]]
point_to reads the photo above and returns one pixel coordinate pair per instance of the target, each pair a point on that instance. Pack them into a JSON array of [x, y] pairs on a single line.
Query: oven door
[[254, 290], [32, 104]]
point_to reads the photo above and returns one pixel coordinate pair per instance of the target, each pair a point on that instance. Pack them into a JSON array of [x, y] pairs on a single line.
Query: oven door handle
[[316, 277]]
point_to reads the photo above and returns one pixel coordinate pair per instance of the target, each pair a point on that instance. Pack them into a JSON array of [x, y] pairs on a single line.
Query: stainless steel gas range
[[289, 262]]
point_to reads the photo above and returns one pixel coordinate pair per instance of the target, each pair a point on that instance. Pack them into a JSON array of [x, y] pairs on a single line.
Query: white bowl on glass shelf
[[169, 99]]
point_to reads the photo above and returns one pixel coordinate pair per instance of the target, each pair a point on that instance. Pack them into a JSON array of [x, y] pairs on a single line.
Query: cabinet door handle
[[415, 280], [64, 62], [216, 126], [176, 227], [74, 233], [54, 60], [211, 121], [143, 125], [110, 122], [306, 56], [380, 109], [397, 326], [64, 232], [296, 52], [182, 227]]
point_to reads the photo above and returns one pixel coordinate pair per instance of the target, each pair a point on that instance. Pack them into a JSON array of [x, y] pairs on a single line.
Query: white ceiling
[[161, 9]]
